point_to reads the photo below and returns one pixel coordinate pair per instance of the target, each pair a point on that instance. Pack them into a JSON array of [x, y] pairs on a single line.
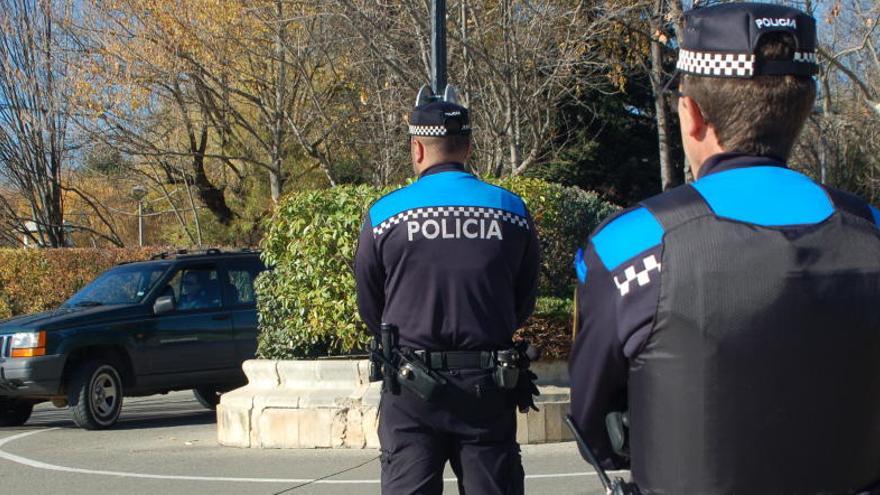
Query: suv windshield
[[122, 285]]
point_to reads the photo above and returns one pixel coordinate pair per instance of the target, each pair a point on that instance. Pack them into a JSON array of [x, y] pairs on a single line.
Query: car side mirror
[[163, 305]]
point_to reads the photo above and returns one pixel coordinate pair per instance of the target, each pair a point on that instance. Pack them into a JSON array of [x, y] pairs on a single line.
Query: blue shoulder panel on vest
[[626, 236], [876, 213], [765, 196], [446, 189], [580, 266]]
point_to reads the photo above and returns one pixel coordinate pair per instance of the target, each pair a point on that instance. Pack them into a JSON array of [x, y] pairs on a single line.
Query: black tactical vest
[[762, 374]]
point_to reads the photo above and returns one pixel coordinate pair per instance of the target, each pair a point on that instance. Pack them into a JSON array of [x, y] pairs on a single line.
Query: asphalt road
[[167, 445]]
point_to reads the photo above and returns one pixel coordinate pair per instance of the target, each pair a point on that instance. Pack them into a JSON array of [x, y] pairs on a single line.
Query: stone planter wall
[[331, 404]]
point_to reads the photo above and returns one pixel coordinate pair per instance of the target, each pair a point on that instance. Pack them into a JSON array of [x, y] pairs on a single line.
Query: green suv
[[183, 320]]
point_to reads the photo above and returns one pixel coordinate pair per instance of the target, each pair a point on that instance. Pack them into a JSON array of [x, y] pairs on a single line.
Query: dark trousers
[[472, 425]]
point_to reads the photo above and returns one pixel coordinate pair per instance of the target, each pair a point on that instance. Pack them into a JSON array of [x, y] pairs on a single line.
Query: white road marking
[[124, 474]]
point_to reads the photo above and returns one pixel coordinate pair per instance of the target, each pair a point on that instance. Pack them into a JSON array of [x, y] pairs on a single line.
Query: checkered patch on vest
[[642, 276], [459, 228]]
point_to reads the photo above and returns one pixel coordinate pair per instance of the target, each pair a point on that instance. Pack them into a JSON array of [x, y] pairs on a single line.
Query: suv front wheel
[[14, 412], [95, 395], [208, 396]]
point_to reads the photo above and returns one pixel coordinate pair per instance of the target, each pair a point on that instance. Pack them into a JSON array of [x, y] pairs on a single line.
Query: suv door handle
[[220, 317]]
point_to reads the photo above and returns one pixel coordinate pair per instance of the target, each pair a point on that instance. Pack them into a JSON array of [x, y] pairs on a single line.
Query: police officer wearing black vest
[[737, 318], [446, 271]]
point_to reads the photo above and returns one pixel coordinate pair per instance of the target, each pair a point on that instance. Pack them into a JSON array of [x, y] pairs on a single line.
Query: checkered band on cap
[[427, 130], [716, 64], [452, 211]]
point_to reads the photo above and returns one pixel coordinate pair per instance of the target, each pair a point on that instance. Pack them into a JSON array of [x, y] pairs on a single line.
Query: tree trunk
[[276, 179], [212, 196], [53, 198], [208, 193], [675, 12], [668, 178]]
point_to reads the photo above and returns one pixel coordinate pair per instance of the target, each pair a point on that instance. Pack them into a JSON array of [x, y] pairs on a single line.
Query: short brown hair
[[763, 115], [447, 145]]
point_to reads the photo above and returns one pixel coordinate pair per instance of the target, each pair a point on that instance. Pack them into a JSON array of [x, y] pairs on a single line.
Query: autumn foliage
[[33, 280]]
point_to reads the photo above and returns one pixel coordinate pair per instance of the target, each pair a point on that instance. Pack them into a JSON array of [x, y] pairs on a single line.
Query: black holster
[[399, 369], [375, 360], [414, 375], [512, 373], [383, 359], [388, 336], [507, 369]]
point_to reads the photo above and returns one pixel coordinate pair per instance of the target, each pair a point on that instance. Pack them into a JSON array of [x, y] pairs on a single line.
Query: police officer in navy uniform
[[452, 263], [736, 318]]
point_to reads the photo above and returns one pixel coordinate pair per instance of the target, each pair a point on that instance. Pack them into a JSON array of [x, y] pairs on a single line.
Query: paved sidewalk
[[167, 445]]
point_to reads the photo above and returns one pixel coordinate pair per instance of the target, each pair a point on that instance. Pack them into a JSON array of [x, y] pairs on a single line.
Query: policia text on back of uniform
[[446, 271], [737, 318]]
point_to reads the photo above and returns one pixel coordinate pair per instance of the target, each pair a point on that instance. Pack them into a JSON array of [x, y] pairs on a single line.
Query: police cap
[[438, 119], [722, 40]]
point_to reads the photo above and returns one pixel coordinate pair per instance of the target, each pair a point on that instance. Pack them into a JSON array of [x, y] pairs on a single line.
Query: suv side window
[[239, 285], [195, 288]]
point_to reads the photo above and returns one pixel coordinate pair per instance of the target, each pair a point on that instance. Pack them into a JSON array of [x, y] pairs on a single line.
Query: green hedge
[[307, 304], [33, 280], [565, 216]]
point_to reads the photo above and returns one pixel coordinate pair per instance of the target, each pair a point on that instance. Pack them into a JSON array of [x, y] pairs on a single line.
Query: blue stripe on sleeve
[[626, 236]]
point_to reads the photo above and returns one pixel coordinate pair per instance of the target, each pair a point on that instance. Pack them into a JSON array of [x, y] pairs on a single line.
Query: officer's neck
[[699, 152], [439, 166]]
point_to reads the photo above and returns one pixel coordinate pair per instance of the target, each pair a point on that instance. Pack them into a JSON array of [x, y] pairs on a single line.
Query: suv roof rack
[[201, 252]]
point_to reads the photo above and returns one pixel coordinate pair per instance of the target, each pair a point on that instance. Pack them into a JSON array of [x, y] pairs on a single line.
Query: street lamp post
[[438, 47], [438, 89], [139, 192]]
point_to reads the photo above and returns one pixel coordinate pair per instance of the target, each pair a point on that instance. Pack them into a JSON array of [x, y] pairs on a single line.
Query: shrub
[[307, 304], [549, 328], [565, 216], [33, 280]]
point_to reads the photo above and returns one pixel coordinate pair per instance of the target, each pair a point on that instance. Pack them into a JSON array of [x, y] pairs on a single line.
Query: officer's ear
[[691, 116], [417, 149]]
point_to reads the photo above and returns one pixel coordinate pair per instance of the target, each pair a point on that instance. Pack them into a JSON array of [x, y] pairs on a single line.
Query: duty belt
[[447, 360]]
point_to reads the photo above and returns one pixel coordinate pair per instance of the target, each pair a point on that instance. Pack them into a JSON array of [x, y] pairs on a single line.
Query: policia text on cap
[[446, 271], [736, 318]]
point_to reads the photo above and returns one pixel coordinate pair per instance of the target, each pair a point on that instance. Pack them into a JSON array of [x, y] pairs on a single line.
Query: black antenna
[[603, 477]]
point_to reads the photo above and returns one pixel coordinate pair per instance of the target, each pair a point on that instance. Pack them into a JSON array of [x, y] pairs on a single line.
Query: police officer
[[451, 262], [736, 318]]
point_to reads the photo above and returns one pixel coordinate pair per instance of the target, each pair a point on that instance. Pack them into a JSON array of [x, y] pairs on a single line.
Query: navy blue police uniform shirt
[[619, 273], [450, 260]]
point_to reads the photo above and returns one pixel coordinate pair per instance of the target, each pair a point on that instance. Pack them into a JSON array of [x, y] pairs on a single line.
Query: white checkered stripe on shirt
[[451, 211], [642, 277], [427, 130], [716, 64]]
